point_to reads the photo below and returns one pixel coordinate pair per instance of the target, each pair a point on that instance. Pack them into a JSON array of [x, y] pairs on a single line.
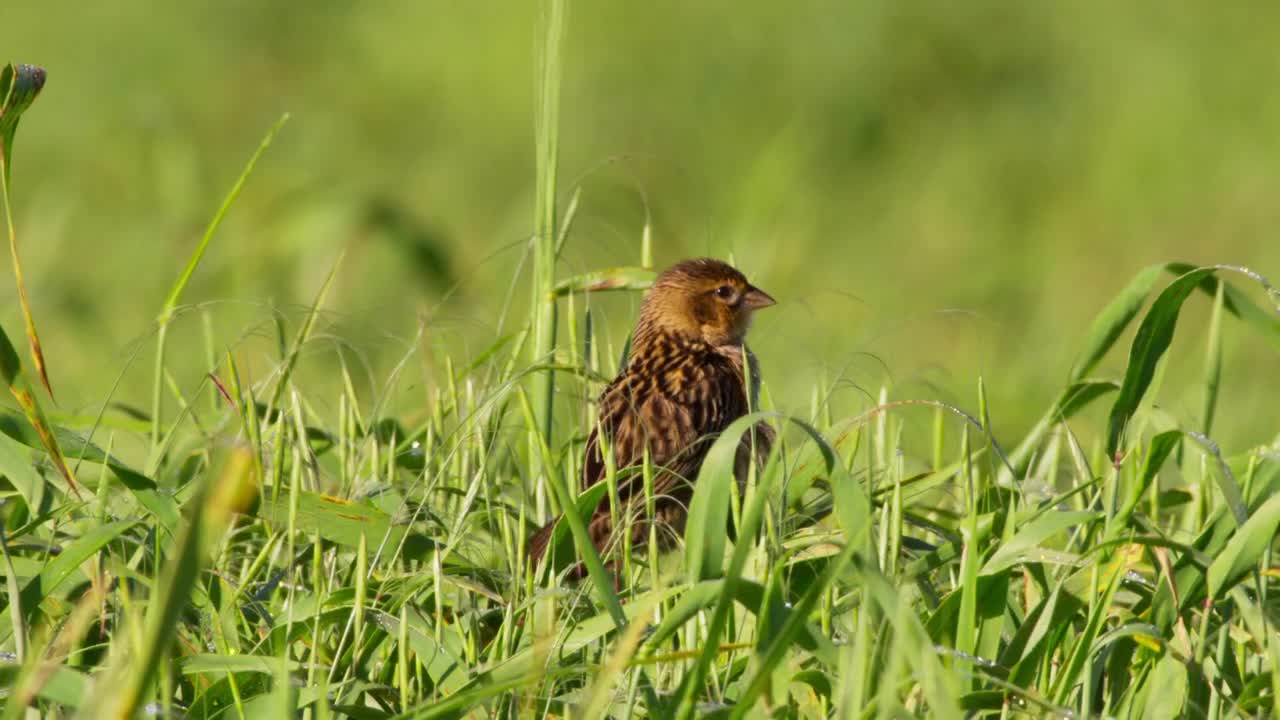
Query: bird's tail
[[539, 542]]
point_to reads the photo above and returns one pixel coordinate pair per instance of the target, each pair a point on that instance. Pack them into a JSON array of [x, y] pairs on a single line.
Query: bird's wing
[[675, 414]]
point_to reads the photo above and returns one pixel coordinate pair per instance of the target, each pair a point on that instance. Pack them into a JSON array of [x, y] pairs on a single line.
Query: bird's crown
[[701, 299]]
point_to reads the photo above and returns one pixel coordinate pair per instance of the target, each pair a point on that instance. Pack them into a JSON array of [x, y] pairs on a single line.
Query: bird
[[688, 375]]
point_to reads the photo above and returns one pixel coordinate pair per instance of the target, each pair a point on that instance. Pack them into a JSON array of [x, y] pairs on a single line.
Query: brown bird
[[683, 384]]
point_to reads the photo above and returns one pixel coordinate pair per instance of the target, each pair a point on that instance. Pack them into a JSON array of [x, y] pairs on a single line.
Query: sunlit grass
[[285, 547]]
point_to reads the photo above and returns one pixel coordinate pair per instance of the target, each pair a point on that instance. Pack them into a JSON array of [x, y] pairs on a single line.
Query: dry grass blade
[[19, 86], [12, 375]]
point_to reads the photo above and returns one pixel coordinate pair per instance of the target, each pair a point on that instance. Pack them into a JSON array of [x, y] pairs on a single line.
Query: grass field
[[267, 505]]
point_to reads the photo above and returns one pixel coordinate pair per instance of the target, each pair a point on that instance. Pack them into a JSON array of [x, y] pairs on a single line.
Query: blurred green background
[[932, 190]]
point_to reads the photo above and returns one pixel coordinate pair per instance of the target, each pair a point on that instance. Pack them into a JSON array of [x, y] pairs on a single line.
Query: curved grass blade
[[748, 594], [1158, 450], [1153, 338], [1116, 316], [19, 86], [175, 293], [1238, 304], [1113, 319], [621, 278], [560, 547], [939, 687], [752, 516], [1231, 491], [705, 537]]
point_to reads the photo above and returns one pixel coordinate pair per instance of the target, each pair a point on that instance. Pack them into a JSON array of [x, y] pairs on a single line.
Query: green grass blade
[[547, 142], [212, 507], [1245, 549], [1153, 338], [304, 334], [620, 278], [1237, 304], [1213, 362], [180, 285], [705, 537], [1113, 319], [59, 569], [752, 516]]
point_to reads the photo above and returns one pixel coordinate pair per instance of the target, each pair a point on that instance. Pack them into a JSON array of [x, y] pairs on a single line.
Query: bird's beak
[[755, 298]]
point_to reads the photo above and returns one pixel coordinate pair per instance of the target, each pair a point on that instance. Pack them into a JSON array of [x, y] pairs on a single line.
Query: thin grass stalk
[[1213, 362], [175, 293], [543, 305]]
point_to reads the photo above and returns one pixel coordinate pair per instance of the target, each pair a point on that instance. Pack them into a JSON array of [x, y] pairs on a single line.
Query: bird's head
[[702, 299]]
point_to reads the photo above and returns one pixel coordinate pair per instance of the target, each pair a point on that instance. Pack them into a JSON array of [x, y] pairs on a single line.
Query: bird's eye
[[724, 292]]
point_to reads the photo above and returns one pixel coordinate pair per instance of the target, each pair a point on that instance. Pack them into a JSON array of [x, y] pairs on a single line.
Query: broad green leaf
[[1023, 649], [1156, 332], [1116, 316], [160, 504], [64, 686], [1026, 544], [343, 522], [1077, 661], [1168, 689], [1245, 548], [16, 465], [209, 663], [61, 567], [1231, 491], [446, 670], [1213, 363]]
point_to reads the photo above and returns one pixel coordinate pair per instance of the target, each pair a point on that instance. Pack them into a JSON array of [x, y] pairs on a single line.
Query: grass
[[278, 547]]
